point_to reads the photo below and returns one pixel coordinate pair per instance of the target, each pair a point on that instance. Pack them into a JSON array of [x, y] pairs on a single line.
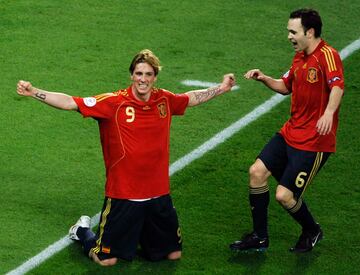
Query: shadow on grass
[[303, 261], [250, 261], [137, 266], [253, 262]]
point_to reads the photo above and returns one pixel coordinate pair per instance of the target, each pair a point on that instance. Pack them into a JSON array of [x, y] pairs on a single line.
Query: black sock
[[84, 233], [87, 238], [259, 201], [302, 215]]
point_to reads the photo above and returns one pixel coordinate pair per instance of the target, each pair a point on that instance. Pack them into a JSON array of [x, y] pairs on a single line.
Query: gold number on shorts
[[179, 235], [299, 182], [130, 111]]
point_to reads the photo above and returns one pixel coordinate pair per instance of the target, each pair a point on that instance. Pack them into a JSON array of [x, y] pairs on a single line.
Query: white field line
[[203, 84], [226, 133], [182, 162], [350, 49]]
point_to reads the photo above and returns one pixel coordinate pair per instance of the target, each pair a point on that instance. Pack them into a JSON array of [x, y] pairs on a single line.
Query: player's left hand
[[228, 82], [324, 124]]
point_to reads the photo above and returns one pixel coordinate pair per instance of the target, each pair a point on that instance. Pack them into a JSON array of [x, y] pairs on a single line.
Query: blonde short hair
[[145, 56]]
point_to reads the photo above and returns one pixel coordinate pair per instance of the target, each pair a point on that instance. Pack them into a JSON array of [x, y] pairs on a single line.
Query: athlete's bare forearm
[[277, 85], [200, 96], [57, 100], [334, 99]]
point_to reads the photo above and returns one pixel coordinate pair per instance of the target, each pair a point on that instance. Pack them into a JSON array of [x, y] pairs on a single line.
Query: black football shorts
[[291, 167], [125, 224]]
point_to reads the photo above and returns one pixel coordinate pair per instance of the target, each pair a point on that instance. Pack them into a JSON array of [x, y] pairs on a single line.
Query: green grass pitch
[[51, 169]]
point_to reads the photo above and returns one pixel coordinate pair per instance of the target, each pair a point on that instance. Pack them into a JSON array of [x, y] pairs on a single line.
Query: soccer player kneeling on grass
[[297, 153], [134, 126]]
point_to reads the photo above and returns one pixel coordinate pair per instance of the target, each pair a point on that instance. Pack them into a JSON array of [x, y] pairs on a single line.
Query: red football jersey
[[310, 80], [135, 140]]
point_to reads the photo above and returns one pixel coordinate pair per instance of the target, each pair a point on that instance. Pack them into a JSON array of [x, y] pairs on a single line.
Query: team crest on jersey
[[162, 109], [312, 75]]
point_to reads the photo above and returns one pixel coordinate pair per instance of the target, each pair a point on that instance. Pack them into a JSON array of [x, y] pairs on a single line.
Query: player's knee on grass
[[176, 255], [105, 262], [108, 262]]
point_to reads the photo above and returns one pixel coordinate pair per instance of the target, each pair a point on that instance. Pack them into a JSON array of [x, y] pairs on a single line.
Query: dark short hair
[[309, 19], [145, 56]]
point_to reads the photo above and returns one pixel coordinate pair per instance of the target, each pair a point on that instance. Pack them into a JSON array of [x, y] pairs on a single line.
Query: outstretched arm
[[277, 85], [57, 100], [200, 96]]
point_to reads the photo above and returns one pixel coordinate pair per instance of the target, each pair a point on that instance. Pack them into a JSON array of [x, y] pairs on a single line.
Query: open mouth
[[294, 43]]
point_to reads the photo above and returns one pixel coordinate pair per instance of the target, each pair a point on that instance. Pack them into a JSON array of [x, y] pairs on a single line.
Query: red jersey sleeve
[[99, 107], [287, 78], [289, 75], [332, 64], [178, 103]]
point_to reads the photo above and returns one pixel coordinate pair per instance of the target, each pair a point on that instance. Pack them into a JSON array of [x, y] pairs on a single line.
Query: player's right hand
[[24, 88], [255, 74]]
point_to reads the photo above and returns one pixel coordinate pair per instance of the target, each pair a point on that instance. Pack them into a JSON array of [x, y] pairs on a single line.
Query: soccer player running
[[134, 125], [298, 151]]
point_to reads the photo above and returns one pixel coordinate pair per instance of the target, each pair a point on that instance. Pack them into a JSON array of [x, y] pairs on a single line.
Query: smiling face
[[143, 78]]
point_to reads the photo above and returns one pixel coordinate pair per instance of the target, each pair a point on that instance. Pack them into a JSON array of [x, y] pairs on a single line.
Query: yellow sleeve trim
[[102, 97], [329, 57]]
